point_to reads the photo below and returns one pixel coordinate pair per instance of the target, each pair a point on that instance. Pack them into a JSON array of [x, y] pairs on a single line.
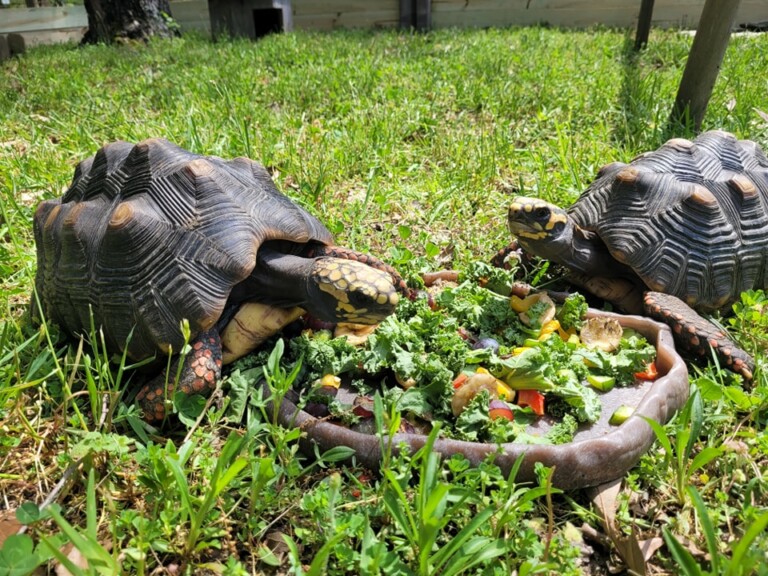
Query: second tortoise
[[677, 230]]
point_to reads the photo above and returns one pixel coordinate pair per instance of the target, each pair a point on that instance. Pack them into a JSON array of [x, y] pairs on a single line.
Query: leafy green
[[322, 354], [410, 401], [473, 421], [526, 371], [475, 424], [425, 347], [479, 273], [572, 312], [422, 347], [583, 400], [633, 355], [563, 430], [482, 311], [551, 367]]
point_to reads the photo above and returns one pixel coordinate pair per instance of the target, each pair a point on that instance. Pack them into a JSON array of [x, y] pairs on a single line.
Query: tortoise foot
[[696, 335], [200, 371], [501, 258]]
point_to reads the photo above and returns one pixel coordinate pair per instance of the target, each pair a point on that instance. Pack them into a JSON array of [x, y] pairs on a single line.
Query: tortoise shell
[[691, 218], [150, 234]]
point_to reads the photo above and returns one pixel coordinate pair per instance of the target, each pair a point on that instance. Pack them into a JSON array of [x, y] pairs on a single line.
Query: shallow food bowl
[[599, 452]]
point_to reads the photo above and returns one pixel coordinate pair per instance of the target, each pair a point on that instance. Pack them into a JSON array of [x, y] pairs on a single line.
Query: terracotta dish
[[599, 453]]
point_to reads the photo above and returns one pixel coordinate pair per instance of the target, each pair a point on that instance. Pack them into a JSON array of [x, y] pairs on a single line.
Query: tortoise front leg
[[694, 334], [499, 260], [200, 371]]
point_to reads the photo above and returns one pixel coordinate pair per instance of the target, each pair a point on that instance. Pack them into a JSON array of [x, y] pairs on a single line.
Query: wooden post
[[406, 14], [423, 15], [644, 24], [704, 60], [5, 51], [16, 44], [416, 14]]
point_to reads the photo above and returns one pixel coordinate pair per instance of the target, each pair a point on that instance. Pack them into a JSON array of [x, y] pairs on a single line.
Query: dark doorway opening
[[267, 20]]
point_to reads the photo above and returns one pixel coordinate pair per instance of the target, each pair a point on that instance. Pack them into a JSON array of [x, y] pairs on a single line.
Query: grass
[[407, 146]]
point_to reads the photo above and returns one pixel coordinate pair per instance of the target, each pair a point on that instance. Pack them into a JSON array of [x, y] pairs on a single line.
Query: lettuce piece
[[526, 371], [553, 369]]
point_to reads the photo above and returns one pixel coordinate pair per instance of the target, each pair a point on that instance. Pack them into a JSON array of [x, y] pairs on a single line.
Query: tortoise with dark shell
[[684, 227], [150, 235]]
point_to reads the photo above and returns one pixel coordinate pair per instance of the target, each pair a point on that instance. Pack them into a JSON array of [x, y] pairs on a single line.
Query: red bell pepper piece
[[532, 398], [650, 373], [459, 380]]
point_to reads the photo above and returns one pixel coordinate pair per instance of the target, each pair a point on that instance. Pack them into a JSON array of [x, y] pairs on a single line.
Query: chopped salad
[[484, 362]]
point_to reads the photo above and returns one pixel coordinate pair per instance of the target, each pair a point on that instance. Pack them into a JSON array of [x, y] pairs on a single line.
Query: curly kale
[[488, 276], [482, 311], [573, 311]]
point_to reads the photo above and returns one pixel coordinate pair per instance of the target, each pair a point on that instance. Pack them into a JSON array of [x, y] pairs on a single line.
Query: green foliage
[[359, 127], [573, 311], [744, 559], [679, 456]]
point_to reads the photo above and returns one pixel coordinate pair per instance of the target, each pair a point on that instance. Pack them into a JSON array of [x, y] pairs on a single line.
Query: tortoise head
[[536, 219], [542, 228], [344, 290]]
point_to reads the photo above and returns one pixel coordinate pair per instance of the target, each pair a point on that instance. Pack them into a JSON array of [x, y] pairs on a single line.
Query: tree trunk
[[118, 20]]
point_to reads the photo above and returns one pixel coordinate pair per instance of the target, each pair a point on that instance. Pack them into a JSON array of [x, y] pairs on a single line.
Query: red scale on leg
[[200, 371]]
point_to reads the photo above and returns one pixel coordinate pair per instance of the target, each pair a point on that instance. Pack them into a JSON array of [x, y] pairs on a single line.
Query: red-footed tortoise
[[683, 227], [149, 235]]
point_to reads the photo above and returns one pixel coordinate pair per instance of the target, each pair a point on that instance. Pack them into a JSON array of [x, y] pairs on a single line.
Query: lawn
[[407, 146]]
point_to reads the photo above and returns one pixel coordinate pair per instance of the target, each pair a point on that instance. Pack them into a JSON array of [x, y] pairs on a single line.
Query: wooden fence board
[[60, 36], [578, 13], [68, 23], [380, 19], [588, 5], [332, 6], [192, 15], [333, 14], [28, 19]]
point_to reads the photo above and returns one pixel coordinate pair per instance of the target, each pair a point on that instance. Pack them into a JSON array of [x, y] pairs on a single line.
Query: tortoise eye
[[541, 212]]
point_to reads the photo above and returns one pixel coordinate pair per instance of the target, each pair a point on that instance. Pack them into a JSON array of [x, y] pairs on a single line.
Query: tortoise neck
[[577, 249], [278, 278]]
